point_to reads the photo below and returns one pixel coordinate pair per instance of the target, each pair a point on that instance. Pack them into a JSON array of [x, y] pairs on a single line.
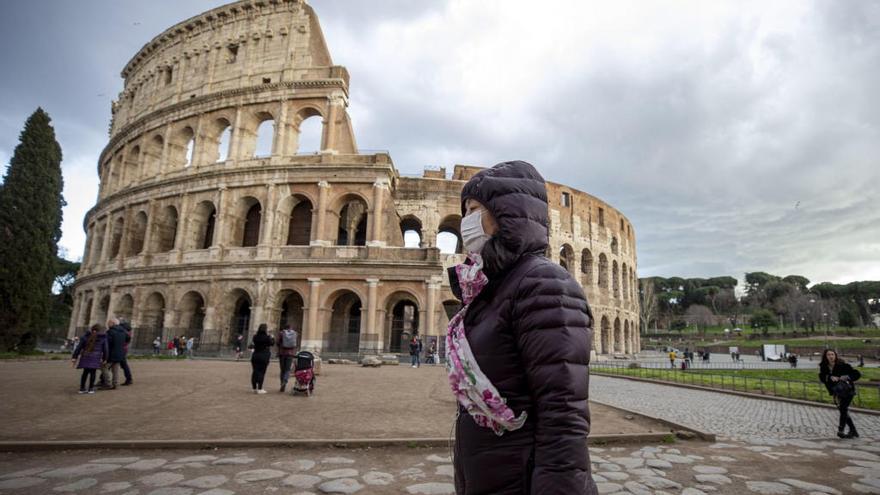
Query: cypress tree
[[30, 227]]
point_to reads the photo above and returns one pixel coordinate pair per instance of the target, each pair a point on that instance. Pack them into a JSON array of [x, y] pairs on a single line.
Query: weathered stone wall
[[196, 232]]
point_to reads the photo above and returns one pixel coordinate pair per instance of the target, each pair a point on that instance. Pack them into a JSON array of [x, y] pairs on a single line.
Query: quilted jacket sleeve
[[554, 333]]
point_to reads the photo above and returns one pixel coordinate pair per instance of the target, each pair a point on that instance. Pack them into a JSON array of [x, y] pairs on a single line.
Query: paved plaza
[[764, 447]]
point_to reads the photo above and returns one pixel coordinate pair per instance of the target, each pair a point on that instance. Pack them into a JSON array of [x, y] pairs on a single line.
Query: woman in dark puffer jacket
[[517, 352]]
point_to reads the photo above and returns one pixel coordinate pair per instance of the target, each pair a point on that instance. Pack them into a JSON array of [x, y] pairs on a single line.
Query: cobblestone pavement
[[685, 468], [726, 415]]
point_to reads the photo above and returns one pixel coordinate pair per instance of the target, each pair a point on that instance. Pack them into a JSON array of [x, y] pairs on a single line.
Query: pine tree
[[30, 227]]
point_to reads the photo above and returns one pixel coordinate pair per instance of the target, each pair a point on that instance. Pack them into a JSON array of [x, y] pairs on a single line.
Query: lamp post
[[825, 317]]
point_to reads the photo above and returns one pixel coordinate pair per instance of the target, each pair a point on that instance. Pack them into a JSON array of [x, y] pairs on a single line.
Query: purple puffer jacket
[[100, 352], [530, 330]]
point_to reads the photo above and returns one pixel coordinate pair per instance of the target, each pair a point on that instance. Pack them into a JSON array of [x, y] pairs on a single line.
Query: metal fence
[[699, 364], [867, 396]]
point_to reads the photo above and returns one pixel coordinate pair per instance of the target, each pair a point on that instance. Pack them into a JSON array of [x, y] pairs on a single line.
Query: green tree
[[763, 319], [30, 227], [847, 318]]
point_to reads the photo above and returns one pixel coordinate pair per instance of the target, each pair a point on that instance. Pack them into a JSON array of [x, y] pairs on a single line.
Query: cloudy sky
[[736, 136]]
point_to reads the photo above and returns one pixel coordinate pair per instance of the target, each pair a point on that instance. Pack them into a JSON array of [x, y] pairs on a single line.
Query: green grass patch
[[800, 384], [21, 355]]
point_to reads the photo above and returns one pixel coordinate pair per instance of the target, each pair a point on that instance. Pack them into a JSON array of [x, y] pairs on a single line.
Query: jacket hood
[[516, 196]]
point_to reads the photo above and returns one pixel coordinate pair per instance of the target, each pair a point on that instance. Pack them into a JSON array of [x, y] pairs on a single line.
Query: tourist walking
[[286, 343], [431, 356], [157, 343], [88, 356], [518, 350], [414, 352], [124, 363], [839, 378], [116, 337], [672, 359], [262, 347], [190, 344], [238, 346]]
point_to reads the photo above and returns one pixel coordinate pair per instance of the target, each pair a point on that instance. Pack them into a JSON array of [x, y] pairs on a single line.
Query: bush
[[634, 366]]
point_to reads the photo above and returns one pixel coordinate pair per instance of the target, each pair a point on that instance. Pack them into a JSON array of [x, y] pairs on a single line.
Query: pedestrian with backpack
[[287, 344]]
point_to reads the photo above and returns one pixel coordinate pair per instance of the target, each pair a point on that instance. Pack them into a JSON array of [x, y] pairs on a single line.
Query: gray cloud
[[705, 123]]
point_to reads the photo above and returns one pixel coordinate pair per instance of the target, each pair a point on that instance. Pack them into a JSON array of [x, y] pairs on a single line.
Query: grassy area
[[719, 330], [766, 382], [846, 344], [806, 372]]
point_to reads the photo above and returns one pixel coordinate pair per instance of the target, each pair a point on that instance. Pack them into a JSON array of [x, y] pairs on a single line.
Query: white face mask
[[472, 234]]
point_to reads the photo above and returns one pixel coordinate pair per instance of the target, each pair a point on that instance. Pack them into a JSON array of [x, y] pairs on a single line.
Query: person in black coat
[[835, 374], [117, 338], [528, 328], [262, 345]]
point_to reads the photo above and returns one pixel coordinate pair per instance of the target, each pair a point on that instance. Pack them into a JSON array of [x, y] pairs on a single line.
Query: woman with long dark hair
[[262, 344], [91, 352], [839, 378]]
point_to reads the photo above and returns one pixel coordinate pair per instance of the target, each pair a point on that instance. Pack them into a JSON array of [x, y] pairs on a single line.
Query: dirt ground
[[193, 400]]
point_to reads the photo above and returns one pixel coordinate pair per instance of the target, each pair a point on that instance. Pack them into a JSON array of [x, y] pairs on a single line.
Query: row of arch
[[622, 282], [343, 325], [619, 338], [187, 143]]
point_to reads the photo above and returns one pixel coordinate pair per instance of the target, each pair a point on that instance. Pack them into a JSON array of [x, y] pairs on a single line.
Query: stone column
[[311, 339], [166, 146], [430, 310], [182, 223], [236, 137], [268, 223], [372, 302], [75, 316], [105, 246], [331, 126], [282, 132], [378, 237], [321, 221]]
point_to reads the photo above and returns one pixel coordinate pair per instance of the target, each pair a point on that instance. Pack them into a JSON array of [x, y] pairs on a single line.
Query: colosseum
[[212, 217]]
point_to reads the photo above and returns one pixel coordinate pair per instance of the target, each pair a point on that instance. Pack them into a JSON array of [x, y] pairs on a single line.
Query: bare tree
[[647, 303], [699, 315]]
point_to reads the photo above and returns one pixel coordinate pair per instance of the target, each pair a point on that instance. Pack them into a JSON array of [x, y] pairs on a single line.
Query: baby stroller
[[304, 373]]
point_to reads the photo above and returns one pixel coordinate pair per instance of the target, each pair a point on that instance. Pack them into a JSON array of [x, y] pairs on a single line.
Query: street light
[[825, 317]]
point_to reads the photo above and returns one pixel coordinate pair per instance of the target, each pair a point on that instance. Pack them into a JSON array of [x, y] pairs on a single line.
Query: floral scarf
[[471, 387]]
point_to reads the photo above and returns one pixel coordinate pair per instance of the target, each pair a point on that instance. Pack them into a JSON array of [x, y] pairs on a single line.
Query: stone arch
[[136, 234], [116, 237], [411, 229], [627, 338], [153, 155], [624, 279], [202, 224], [132, 164], [98, 244], [240, 304], [291, 310], [247, 221], [124, 307], [566, 257], [603, 271], [615, 280], [181, 148], [614, 249], [449, 231], [606, 339], [217, 138], [618, 336], [401, 319], [153, 312], [586, 268], [352, 218], [344, 330], [309, 124], [191, 314], [85, 319], [166, 229], [294, 220], [116, 172]]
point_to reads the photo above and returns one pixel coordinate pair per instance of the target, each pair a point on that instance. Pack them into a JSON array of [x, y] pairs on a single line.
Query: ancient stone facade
[[210, 220]]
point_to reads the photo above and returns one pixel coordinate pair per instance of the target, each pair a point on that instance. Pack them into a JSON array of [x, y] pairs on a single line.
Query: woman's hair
[[824, 363], [93, 336], [263, 328]]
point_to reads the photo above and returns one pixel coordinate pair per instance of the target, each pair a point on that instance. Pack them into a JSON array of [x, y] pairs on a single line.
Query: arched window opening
[[116, 238], [603, 271], [192, 315], [240, 323], [449, 235], [190, 151], [624, 277], [131, 166], [566, 257], [606, 338], [404, 324], [345, 324], [411, 228], [153, 314], [252, 222], [352, 224], [587, 267], [137, 234], [310, 132], [265, 138], [166, 228], [124, 307], [618, 336], [299, 231], [153, 156], [292, 313], [613, 245], [615, 279], [224, 143]]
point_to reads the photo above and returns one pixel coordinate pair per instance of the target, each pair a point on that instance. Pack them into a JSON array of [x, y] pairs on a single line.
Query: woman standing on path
[[91, 351], [260, 359], [839, 378], [518, 351]]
